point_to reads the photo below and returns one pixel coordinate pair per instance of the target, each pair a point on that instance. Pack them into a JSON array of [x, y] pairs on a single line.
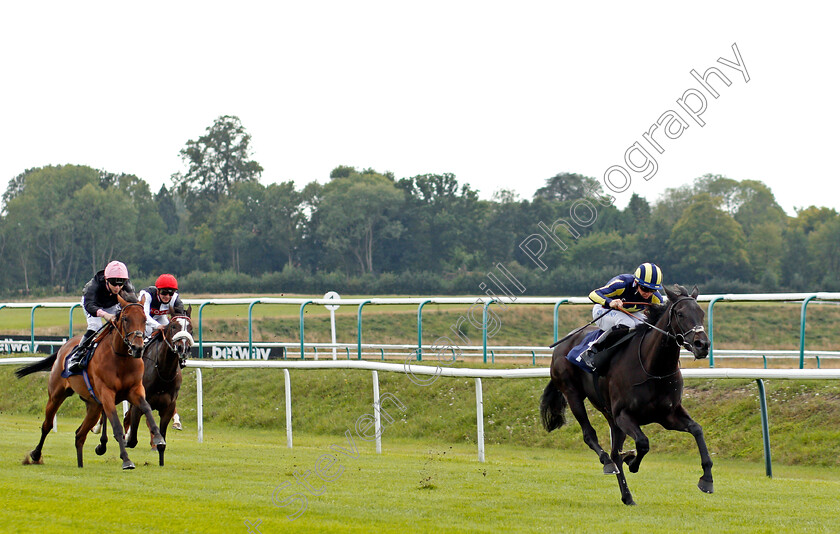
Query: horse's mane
[[655, 312], [129, 296]]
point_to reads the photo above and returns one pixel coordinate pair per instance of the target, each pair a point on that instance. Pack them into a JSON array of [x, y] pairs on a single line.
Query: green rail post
[[484, 328], [765, 427], [359, 327], [556, 311], [420, 329], [251, 329], [32, 328], [302, 306], [73, 307], [201, 330], [802, 332], [712, 330]]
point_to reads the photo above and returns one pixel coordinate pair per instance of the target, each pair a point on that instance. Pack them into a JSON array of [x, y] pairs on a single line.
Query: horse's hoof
[[610, 469], [631, 503], [633, 467], [628, 456], [706, 487], [100, 449], [128, 464], [29, 459], [159, 441]]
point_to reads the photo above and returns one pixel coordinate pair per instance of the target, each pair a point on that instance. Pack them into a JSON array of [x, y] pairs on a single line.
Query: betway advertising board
[[212, 349]]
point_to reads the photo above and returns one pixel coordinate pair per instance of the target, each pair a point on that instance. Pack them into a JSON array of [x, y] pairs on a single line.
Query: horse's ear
[[188, 311], [142, 299], [695, 292], [671, 295], [121, 300]]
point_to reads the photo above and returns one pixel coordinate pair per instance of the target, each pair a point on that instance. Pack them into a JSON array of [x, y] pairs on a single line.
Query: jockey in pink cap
[[99, 301]]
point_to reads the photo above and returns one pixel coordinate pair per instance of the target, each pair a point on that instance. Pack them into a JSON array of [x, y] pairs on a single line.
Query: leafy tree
[[217, 160], [446, 222], [568, 186], [356, 213], [284, 219], [708, 242]]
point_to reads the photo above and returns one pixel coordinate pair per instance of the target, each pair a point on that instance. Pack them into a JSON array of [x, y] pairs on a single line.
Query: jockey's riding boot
[[604, 341], [74, 365]]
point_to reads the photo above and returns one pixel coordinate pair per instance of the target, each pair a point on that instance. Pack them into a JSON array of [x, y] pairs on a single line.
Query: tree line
[[220, 230]]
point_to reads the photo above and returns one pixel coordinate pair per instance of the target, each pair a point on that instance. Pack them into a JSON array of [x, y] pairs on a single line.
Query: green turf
[[414, 486]]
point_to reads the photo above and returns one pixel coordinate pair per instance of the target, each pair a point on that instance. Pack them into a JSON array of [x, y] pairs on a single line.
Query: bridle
[[126, 336], [181, 338], [679, 337]]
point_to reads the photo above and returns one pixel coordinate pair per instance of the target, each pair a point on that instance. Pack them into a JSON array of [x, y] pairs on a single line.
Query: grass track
[[414, 486]]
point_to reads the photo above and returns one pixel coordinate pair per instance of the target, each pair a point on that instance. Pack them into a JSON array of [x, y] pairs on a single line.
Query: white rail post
[[288, 381], [377, 422], [331, 295], [199, 400], [479, 415]]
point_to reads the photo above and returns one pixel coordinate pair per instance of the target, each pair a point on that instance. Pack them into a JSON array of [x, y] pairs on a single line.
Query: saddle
[[606, 348], [89, 350]]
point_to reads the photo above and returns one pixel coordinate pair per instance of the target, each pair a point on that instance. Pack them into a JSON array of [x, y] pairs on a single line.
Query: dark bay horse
[[643, 385], [115, 372], [163, 357]]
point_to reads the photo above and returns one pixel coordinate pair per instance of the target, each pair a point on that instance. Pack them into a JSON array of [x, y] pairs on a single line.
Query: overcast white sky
[[503, 95]]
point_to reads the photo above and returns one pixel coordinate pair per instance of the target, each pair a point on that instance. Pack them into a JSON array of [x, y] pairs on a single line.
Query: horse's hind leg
[[590, 437], [680, 420], [57, 397], [618, 437], [91, 417], [131, 424], [102, 448]]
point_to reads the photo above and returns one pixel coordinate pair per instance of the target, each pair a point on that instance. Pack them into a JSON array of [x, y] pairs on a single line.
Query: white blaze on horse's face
[[182, 339]]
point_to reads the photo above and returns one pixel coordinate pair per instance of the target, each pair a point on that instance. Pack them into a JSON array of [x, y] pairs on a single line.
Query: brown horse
[[113, 374], [164, 356], [643, 385]]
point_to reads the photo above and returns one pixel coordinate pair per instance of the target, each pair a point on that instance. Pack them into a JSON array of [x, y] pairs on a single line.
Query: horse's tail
[[552, 406], [43, 365]]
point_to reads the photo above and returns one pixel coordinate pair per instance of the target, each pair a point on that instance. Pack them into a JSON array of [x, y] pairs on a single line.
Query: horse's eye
[[679, 314]]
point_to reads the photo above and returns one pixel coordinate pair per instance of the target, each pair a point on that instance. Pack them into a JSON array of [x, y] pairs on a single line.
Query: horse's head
[[131, 324], [178, 335], [685, 320]]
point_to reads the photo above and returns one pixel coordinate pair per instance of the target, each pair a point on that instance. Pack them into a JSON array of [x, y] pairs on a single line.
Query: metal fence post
[[802, 331], [420, 329], [302, 306], [251, 330], [359, 327], [712, 330]]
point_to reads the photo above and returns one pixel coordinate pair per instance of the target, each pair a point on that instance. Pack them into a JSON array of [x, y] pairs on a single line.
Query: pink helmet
[[116, 269]]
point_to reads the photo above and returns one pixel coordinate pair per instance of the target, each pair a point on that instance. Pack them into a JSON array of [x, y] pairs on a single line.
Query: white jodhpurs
[[614, 317]]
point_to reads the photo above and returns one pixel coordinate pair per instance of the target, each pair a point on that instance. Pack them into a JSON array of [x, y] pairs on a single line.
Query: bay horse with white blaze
[[115, 373], [643, 385], [164, 356]]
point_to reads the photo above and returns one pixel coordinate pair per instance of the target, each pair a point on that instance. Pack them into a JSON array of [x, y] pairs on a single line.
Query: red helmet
[[166, 281]]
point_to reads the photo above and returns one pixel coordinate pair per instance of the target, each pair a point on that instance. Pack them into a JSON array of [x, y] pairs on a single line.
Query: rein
[[679, 338]]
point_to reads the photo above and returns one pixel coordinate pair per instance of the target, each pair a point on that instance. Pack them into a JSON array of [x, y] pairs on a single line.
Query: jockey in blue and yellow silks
[[641, 286]]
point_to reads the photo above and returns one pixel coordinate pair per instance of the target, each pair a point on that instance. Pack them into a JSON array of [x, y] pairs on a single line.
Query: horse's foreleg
[[680, 420], [91, 417], [111, 412], [628, 425], [165, 416], [139, 400]]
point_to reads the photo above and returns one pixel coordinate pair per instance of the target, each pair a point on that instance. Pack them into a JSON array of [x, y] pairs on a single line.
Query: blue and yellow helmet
[[649, 276]]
